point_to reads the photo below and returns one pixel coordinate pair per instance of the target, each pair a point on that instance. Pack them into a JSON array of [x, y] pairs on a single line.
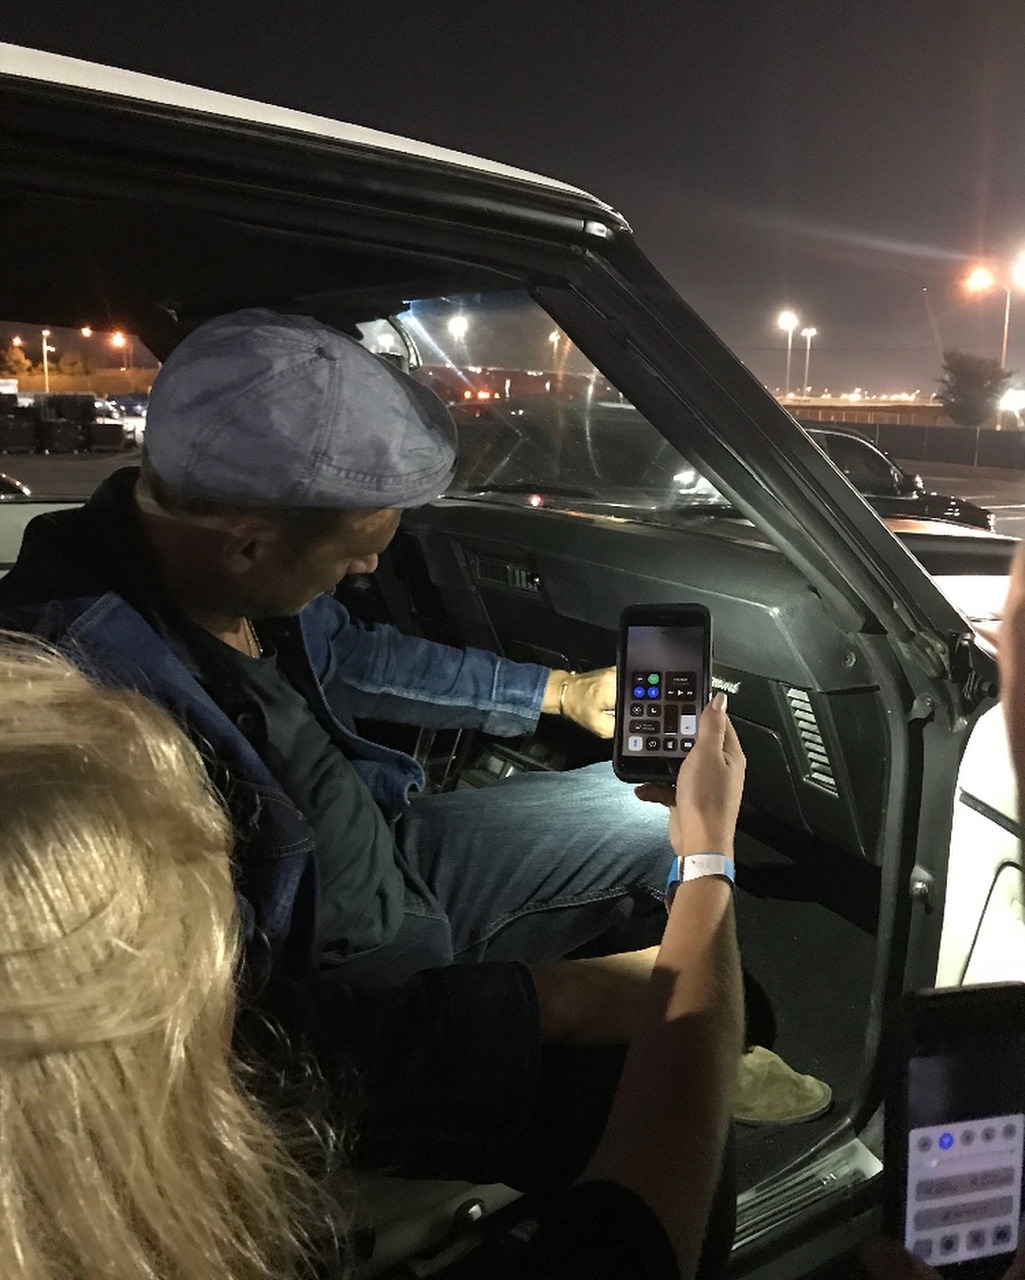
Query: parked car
[[11, 488], [890, 489], [885, 486], [879, 847], [132, 411]]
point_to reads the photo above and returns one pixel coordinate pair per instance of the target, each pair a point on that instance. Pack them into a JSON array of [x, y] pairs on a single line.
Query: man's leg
[[546, 866], [543, 866]]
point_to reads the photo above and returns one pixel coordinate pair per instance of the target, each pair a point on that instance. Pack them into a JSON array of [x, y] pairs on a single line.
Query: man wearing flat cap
[[416, 942]]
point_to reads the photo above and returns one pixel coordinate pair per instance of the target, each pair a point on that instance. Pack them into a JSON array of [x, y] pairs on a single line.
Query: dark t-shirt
[[594, 1231], [361, 883]]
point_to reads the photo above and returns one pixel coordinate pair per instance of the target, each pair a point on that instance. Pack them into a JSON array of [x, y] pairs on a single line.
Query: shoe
[[770, 1092]]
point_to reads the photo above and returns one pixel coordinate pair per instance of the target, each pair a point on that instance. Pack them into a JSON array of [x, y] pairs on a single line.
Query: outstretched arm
[[667, 1129]]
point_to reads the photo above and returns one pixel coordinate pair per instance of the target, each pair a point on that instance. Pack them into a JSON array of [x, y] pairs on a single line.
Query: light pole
[[47, 349], [553, 338], [124, 345], [788, 322], [981, 279], [46, 363], [807, 335]]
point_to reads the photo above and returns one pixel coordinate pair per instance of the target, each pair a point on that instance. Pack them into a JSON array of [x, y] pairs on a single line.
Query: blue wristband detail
[[695, 866]]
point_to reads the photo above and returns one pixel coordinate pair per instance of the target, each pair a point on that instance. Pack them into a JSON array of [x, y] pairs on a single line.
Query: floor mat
[[807, 934]]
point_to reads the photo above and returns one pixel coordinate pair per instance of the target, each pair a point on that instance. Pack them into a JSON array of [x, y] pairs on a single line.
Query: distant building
[[844, 409]]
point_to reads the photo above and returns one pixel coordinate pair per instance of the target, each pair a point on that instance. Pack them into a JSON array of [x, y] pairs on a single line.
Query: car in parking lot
[[891, 490], [878, 848], [11, 488]]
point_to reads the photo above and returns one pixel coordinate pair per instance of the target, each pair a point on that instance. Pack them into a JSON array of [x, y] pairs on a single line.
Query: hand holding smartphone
[[955, 1128], [663, 681]]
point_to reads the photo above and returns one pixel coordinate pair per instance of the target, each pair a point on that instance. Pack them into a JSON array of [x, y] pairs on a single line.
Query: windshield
[[537, 421]]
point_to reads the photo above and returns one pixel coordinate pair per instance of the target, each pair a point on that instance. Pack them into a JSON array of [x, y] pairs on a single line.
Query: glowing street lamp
[[458, 326], [807, 335], [981, 279], [47, 349], [788, 322], [16, 341], [123, 343]]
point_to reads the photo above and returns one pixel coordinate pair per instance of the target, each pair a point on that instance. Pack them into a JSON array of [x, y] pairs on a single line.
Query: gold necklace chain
[[253, 640]]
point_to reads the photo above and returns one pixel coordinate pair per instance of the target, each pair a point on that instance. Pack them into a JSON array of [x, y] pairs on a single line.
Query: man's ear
[[248, 539]]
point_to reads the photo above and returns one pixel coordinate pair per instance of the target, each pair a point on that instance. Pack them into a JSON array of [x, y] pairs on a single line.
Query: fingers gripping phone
[[663, 675], [954, 1122]]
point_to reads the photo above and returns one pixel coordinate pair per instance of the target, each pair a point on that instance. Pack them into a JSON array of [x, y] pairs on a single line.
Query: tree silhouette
[[74, 364], [971, 387], [14, 363]]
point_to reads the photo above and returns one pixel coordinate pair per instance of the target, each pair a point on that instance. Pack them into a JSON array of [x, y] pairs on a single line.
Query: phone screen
[[963, 1143], [662, 689], [964, 1156]]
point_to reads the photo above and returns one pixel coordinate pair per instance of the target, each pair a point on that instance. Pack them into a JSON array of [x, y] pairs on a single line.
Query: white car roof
[[54, 68]]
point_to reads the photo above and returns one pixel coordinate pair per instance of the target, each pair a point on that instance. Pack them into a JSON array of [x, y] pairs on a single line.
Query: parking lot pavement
[[65, 475]]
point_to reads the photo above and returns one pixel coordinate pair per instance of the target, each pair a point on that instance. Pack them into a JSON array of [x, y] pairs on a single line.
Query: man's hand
[[594, 1001], [706, 801], [588, 698]]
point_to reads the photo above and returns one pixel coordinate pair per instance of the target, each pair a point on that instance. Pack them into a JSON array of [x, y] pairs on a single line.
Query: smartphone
[[663, 673], [953, 1130]]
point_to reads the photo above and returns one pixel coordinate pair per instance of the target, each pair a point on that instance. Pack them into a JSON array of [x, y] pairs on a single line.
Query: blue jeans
[[535, 868]]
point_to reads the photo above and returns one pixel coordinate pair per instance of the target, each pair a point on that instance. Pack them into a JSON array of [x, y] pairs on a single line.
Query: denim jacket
[[454, 1049]]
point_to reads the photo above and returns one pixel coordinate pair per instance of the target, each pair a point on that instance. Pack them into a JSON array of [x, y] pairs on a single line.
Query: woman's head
[[126, 1146], [116, 905]]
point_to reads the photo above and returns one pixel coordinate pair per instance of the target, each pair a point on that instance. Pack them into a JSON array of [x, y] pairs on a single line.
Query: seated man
[[391, 929]]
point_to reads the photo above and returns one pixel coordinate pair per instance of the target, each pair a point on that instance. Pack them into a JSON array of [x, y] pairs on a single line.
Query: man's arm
[[391, 676]]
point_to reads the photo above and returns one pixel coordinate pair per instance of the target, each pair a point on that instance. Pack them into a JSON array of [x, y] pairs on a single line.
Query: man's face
[[287, 577]]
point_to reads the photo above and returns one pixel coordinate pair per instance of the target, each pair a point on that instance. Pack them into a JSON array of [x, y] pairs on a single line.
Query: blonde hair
[[128, 1148]]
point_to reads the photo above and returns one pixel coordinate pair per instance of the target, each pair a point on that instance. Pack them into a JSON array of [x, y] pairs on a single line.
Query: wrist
[[554, 702], [698, 866], [706, 840]]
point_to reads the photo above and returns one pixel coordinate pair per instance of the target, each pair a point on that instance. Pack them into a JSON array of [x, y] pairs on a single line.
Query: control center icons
[[663, 712], [964, 1189]]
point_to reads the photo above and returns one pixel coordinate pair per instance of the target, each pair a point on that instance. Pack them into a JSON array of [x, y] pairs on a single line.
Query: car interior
[[535, 559]]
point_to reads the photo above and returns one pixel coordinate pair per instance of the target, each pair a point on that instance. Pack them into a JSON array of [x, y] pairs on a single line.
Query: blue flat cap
[[257, 409]]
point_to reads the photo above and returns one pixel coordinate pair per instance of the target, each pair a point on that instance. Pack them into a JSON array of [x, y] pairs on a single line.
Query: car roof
[[842, 435], [175, 204], [53, 68]]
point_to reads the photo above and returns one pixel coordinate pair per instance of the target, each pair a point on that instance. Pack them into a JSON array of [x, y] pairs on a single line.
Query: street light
[[46, 364], [124, 345], [981, 279], [807, 335], [457, 327], [788, 322]]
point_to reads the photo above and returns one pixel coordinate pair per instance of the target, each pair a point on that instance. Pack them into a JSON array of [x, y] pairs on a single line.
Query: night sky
[[834, 156]]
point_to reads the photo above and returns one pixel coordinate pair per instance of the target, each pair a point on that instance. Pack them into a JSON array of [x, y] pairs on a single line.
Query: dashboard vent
[[500, 573], [817, 767]]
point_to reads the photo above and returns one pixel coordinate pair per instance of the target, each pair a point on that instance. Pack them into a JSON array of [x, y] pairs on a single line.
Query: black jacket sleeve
[[433, 1077]]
